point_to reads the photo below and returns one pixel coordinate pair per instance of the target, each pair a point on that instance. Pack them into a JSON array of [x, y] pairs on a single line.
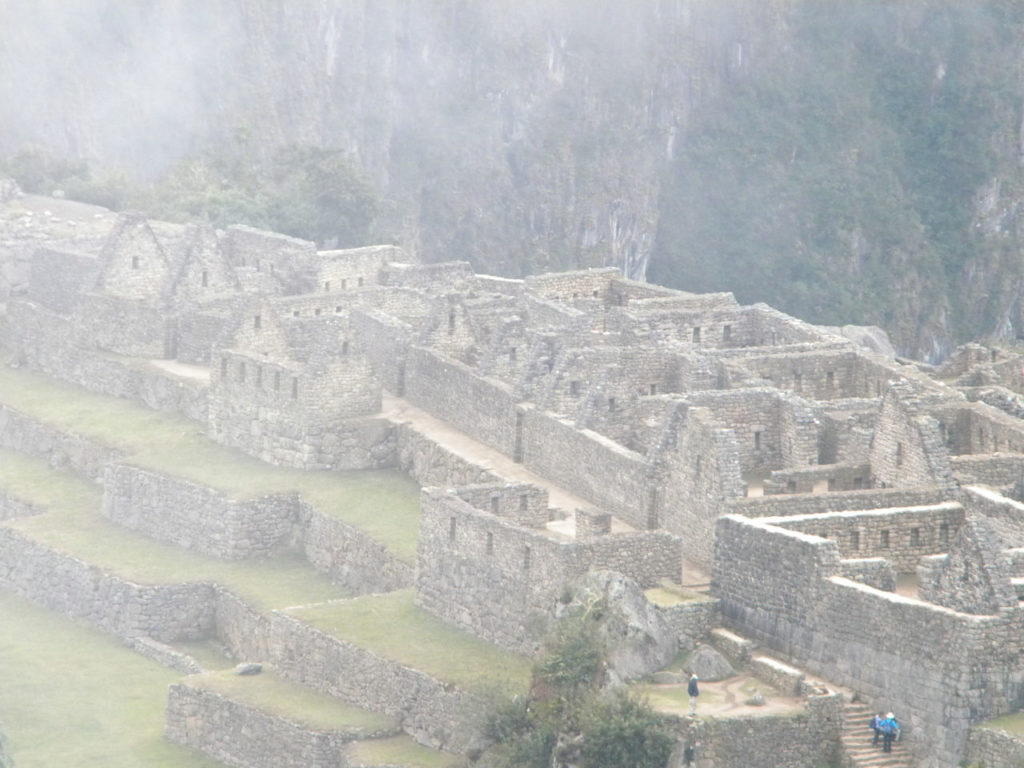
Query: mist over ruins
[[340, 496]]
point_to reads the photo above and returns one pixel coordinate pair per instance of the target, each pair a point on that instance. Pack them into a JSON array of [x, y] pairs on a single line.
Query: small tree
[[622, 732]]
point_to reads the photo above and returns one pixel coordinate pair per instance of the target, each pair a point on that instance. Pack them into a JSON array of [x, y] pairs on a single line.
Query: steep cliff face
[[845, 162]]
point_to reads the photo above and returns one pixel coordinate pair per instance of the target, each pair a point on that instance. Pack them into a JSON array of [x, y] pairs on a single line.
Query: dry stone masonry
[[861, 518]]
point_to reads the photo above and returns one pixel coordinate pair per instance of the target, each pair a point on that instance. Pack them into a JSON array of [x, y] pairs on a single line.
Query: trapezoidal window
[[205, 279], [295, 388], [696, 335], [277, 381], [241, 372], [451, 528], [490, 543], [257, 321], [526, 558], [135, 262], [327, 285], [360, 282]]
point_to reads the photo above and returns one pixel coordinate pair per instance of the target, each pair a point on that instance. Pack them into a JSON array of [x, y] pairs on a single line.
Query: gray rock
[[708, 664], [872, 337], [249, 668], [638, 639]]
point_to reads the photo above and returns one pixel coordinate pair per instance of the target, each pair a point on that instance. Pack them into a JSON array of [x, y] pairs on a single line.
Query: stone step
[[857, 739]]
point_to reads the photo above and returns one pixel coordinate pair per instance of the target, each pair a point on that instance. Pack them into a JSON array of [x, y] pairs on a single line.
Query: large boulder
[[708, 664], [638, 639]]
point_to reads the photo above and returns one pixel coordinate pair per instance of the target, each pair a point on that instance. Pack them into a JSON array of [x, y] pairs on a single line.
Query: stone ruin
[[812, 477]]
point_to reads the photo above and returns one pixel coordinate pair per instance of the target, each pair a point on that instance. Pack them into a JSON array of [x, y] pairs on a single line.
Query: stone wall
[[994, 748], [942, 670], [431, 711], [807, 739], [57, 278], [24, 434], [818, 503], [999, 471], [429, 464], [501, 581], [385, 340], [691, 621], [77, 589], [196, 516], [237, 734], [197, 333], [11, 506], [350, 557], [900, 536], [703, 475], [452, 392], [582, 462], [126, 326]]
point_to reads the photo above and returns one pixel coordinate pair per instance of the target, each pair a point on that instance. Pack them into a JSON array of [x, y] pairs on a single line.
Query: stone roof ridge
[[204, 249], [133, 263]]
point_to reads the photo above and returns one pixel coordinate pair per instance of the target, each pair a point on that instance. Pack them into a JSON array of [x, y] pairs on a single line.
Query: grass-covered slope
[[383, 504]]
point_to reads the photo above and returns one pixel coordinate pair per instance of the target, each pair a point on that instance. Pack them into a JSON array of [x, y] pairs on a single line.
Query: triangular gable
[[133, 263], [975, 578], [907, 449], [205, 273]]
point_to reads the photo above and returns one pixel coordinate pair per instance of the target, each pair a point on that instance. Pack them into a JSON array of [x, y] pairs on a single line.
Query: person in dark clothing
[[689, 753], [693, 691], [876, 726]]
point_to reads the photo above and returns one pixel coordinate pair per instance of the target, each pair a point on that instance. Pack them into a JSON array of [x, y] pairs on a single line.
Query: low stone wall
[[691, 621], [24, 434], [77, 589], [12, 506], [240, 735], [876, 572], [430, 464], [196, 516], [244, 631], [993, 748], [782, 677], [431, 711], [350, 557], [807, 739]]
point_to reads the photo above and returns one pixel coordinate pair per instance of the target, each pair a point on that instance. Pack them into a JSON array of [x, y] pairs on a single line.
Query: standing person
[[888, 732], [876, 726], [693, 691], [689, 753]]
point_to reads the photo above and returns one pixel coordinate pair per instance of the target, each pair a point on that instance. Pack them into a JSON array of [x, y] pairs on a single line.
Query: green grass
[[671, 595], [73, 697], [1013, 723], [270, 693], [384, 504], [400, 750], [392, 627], [73, 524]]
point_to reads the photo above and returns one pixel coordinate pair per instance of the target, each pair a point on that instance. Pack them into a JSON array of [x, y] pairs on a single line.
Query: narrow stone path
[[399, 410], [857, 741]]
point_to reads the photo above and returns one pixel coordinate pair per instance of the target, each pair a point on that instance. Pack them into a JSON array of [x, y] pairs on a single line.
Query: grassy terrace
[[400, 750], [71, 696], [295, 703], [73, 524], [383, 504], [392, 627]]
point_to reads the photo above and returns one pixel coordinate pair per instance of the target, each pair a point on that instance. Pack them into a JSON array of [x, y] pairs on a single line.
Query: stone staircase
[[857, 737]]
